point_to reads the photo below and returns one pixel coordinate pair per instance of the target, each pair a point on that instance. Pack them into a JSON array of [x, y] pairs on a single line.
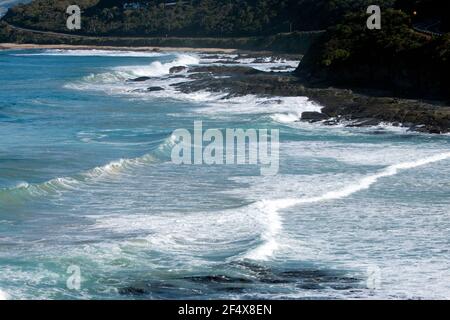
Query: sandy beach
[[26, 46]]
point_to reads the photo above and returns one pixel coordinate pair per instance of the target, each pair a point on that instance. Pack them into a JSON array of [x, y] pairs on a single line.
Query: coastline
[[29, 46], [339, 105]]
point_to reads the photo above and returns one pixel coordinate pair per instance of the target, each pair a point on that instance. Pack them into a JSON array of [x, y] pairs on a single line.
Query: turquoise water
[[86, 180]]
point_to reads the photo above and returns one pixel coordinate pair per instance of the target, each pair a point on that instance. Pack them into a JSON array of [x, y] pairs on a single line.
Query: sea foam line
[[115, 80], [59, 184], [271, 208]]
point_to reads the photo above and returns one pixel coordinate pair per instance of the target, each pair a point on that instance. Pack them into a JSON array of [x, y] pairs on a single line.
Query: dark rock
[[177, 69], [135, 291], [313, 116], [331, 122], [217, 279], [426, 129], [408, 125], [310, 286], [260, 60], [226, 70], [273, 280], [365, 123], [226, 62], [338, 104], [152, 89], [434, 130], [177, 76], [139, 79], [214, 56], [280, 68], [272, 102]]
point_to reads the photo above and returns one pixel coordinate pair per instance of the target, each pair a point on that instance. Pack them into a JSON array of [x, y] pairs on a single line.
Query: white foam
[[285, 117], [275, 67], [217, 104], [273, 227], [4, 295], [192, 235], [93, 53], [365, 154], [285, 109], [271, 208], [266, 64], [157, 69], [280, 109]]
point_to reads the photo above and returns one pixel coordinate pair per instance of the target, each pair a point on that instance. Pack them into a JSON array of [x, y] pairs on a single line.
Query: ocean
[[92, 207]]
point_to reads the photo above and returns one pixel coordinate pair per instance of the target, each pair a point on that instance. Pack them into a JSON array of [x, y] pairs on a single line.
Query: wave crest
[[58, 185], [271, 208]]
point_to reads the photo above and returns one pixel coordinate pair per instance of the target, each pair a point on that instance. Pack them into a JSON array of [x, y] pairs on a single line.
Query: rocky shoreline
[[340, 105]]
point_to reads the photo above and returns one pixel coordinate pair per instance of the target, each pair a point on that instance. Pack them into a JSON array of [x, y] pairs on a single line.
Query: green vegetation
[[295, 42], [395, 58], [191, 18], [251, 24], [400, 56]]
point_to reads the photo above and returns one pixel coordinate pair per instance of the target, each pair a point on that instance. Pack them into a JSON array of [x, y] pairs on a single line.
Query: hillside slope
[[396, 58], [205, 18]]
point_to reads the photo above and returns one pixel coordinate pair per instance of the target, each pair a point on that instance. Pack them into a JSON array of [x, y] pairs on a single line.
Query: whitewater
[[86, 179]]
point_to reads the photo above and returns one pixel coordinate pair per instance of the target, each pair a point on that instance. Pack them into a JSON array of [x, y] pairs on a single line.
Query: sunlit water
[[86, 180]]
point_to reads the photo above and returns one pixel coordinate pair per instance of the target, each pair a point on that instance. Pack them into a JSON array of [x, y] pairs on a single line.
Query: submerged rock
[[311, 116], [280, 68], [339, 105], [139, 79], [152, 89], [226, 62], [226, 70], [271, 102], [260, 60], [365, 123], [135, 291], [177, 69], [218, 279]]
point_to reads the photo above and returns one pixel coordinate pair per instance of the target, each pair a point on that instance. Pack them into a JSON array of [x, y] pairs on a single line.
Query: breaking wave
[[271, 208], [56, 186], [157, 68]]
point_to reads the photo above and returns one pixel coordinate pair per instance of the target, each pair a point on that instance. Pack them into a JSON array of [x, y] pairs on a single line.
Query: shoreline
[[30, 46], [339, 104]]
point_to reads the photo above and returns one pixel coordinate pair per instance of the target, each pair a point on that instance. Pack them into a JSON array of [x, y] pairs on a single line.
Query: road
[[428, 28]]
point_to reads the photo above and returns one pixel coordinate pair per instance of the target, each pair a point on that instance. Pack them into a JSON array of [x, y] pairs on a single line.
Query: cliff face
[[395, 58]]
